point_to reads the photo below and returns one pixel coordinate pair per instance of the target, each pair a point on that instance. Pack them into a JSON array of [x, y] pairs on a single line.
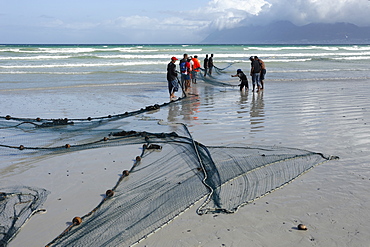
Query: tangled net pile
[[17, 205], [171, 174]]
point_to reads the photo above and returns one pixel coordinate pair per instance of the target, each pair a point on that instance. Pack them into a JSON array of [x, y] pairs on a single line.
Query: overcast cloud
[[147, 21]]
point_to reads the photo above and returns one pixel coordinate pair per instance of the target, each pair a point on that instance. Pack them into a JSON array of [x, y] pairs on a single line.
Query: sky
[[159, 22]]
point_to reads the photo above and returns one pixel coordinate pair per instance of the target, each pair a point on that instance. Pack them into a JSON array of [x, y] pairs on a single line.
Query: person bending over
[[243, 79]]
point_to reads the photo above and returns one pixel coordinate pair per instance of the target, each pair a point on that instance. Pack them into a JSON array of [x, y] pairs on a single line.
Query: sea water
[[32, 66], [54, 81]]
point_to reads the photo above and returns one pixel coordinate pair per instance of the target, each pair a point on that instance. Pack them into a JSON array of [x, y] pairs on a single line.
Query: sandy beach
[[332, 200]]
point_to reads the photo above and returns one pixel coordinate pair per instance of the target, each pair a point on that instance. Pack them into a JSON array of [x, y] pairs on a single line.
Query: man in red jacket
[[195, 69]]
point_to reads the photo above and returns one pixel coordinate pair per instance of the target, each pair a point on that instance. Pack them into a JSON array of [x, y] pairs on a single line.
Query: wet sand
[[332, 200]]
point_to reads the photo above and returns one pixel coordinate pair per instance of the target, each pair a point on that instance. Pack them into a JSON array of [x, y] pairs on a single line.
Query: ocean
[[32, 66]]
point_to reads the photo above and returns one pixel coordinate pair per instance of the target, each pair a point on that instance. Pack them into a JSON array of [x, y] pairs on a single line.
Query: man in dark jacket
[[205, 65], [263, 70], [255, 73], [173, 85]]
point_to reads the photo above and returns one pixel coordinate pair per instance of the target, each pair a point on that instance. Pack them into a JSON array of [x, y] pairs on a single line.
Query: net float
[[302, 227], [2, 196], [76, 221], [109, 193], [154, 146]]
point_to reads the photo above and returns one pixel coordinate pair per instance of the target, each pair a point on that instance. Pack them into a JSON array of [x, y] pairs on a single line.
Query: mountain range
[[285, 32]]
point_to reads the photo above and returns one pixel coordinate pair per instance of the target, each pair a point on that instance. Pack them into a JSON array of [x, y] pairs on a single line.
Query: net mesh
[[213, 80], [239, 175], [17, 205]]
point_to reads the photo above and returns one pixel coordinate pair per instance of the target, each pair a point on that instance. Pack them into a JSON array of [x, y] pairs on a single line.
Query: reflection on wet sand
[[257, 114], [186, 108], [173, 112], [243, 102], [209, 93]]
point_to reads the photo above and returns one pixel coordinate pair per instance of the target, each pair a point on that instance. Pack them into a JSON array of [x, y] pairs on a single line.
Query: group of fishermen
[[190, 66], [258, 72]]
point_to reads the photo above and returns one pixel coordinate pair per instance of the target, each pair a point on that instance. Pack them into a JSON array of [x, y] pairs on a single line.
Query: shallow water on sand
[[331, 115]]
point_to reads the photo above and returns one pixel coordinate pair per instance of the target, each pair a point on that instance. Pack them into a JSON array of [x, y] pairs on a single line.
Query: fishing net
[[222, 70], [17, 205], [213, 80], [172, 173], [238, 175]]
